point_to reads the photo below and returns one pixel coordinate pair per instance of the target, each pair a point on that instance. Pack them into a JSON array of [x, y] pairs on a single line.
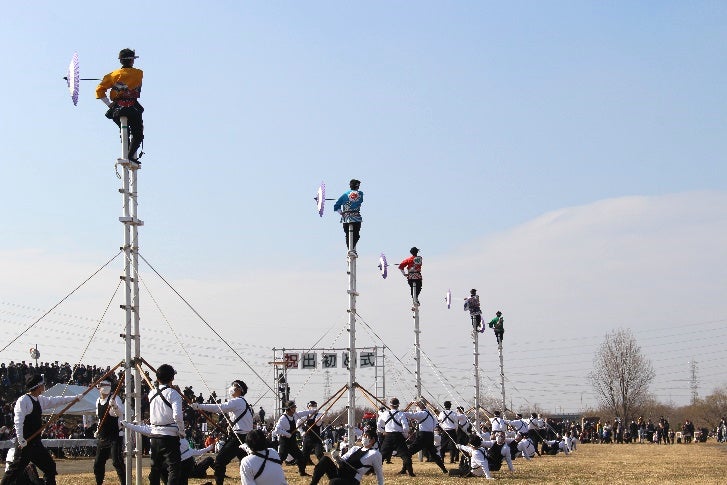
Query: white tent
[[87, 405]]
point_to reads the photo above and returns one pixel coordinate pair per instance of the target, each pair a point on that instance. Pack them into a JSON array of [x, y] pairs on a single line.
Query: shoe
[[402, 472], [445, 471], [304, 474], [412, 474]]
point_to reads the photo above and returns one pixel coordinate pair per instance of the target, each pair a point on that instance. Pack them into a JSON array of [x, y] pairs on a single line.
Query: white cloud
[[563, 280]]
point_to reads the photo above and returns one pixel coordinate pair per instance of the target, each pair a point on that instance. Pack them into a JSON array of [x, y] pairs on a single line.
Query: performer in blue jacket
[[349, 206]]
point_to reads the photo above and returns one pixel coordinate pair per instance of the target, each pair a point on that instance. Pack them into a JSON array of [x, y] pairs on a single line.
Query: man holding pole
[[240, 417], [109, 409], [28, 427]]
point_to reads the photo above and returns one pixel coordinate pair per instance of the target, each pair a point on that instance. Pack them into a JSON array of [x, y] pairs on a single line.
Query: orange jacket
[[124, 83]]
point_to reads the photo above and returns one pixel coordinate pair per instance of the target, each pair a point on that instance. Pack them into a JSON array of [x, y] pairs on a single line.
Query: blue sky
[[543, 152]]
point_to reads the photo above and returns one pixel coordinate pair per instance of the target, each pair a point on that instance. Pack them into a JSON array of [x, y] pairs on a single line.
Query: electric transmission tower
[[694, 382]]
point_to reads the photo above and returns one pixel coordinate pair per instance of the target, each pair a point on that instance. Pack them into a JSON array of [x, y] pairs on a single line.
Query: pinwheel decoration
[[383, 266], [73, 79], [321, 198], [448, 299]]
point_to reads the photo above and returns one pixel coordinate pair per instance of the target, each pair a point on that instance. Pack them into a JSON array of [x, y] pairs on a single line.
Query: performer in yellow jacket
[[125, 89]]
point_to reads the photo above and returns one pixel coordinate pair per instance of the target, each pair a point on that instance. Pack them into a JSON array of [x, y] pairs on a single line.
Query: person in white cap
[[28, 424], [110, 433]]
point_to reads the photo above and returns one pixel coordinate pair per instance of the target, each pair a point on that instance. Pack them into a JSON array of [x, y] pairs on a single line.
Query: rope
[[88, 344], [206, 323], [61, 301], [189, 357]]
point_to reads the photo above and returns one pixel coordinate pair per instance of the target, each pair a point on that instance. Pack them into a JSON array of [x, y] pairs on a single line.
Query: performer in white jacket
[[262, 465], [28, 420]]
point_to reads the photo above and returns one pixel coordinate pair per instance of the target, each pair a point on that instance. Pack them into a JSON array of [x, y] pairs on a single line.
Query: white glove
[[21, 442], [194, 406], [246, 448]]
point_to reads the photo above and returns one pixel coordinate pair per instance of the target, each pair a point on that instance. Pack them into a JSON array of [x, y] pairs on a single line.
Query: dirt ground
[[645, 464]]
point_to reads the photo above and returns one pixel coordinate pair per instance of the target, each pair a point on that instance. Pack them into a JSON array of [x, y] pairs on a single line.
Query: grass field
[[703, 463]]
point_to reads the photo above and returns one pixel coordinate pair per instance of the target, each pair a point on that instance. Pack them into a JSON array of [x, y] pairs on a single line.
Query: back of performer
[[167, 427], [262, 465]]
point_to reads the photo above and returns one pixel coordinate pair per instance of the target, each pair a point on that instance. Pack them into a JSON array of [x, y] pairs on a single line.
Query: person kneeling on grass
[[350, 468], [484, 457]]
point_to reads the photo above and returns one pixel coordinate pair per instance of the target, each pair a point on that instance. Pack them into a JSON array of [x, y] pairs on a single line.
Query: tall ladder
[[352, 294], [131, 306]]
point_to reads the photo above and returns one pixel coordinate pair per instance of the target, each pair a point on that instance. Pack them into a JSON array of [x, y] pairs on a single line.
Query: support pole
[[476, 353], [352, 256]]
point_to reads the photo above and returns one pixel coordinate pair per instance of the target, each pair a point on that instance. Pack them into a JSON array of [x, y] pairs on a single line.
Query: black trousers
[[312, 445], [449, 438], [231, 449], [425, 441], [289, 446], [356, 226], [198, 469], [416, 288], [36, 454], [105, 449], [165, 455], [136, 123], [327, 467], [394, 441]]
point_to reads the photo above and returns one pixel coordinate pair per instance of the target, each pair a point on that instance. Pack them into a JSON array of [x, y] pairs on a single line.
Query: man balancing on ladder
[[125, 86]]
